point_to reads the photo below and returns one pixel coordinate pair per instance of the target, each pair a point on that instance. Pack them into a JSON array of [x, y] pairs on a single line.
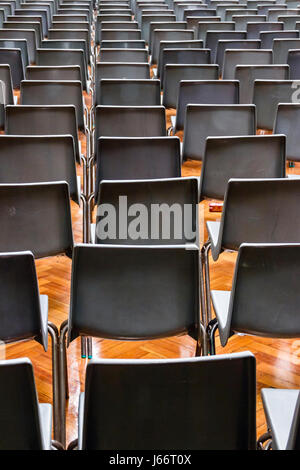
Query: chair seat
[[221, 301], [46, 424], [213, 229], [279, 407]]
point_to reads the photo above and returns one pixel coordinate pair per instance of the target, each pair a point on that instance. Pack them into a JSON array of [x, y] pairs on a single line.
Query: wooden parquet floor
[[277, 360]]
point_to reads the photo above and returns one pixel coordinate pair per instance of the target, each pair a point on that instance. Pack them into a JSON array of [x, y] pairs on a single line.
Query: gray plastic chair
[[129, 92], [70, 34], [183, 56], [174, 74], [282, 411], [286, 122], [146, 20], [293, 62], [202, 121], [99, 19], [267, 37], [130, 44], [275, 13], [247, 74], [70, 44], [18, 23], [281, 49], [16, 44], [174, 223], [255, 156], [120, 34], [194, 44], [168, 35], [37, 159], [6, 88], [289, 21], [25, 423], [124, 158], [25, 34], [43, 120], [267, 95], [13, 57], [124, 55], [241, 21], [42, 14], [212, 38], [203, 27], [56, 73], [254, 29], [225, 44], [271, 311], [193, 21], [163, 25], [168, 382], [234, 57], [204, 92], [189, 10]]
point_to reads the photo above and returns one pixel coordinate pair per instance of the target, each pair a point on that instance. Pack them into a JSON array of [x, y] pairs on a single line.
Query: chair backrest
[[100, 19], [45, 92], [254, 29], [272, 311], [267, 95], [203, 27], [120, 34], [163, 25], [18, 23], [22, 225], [42, 14], [124, 55], [68, 44], [194, 21], [286, 122], [281, 49], [168, 35], [13, 57], [6, 88], [275, 13], [130, 121], [19, 417], [130, 44], [174, 74], [202, 121], [146, 20], [70, 34], [27, 34], [37, 159], [205, 92], [213, 37], [183, 56], [122, 92], [193, 44], [150, 390], [234, 57], [16, 44], [256, 156], [267, 37], [293, 62], [42, 120], [260, 205], [150, 308], [241, 21], [121, 158], [165, 212], [247, 74], [51, 72], [225, 44]]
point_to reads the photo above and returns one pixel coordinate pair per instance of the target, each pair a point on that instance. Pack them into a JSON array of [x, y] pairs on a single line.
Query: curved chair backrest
[[254, 29], [213, 37], [234, 57], [146, 21], [6, 88], [42, 8], [168, 35], [19, 23], [16, 44], [193, 22], [19, 417], [122, 92], [190, 10], [293, 62], [267, 37], [45, 92], [272, 311], [152, 309], [202, 121], [174, 74], [267, 95], [260, 206], [205, 92], [241, 21], [100, 19], [42, 14], [193, 44], [289, 21], [69, 44], [184, 56], [130, 44], [42, 120], [281, 49], [38, 159], [137, 158], [120, 34], [163, 25], [287, 122], [70, 34], [36, 217], [130, 121], [52, 72], [203, 27], [21, 315], [70, 25], [257, 156], [225, 44], [63, 57], [124, 55], [247, 74], [150, 390], [13, 57], [25, 34], [221, 9]]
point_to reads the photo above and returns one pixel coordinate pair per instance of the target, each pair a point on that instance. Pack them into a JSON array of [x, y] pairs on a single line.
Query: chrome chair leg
[[53, 332], [62, 377]]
